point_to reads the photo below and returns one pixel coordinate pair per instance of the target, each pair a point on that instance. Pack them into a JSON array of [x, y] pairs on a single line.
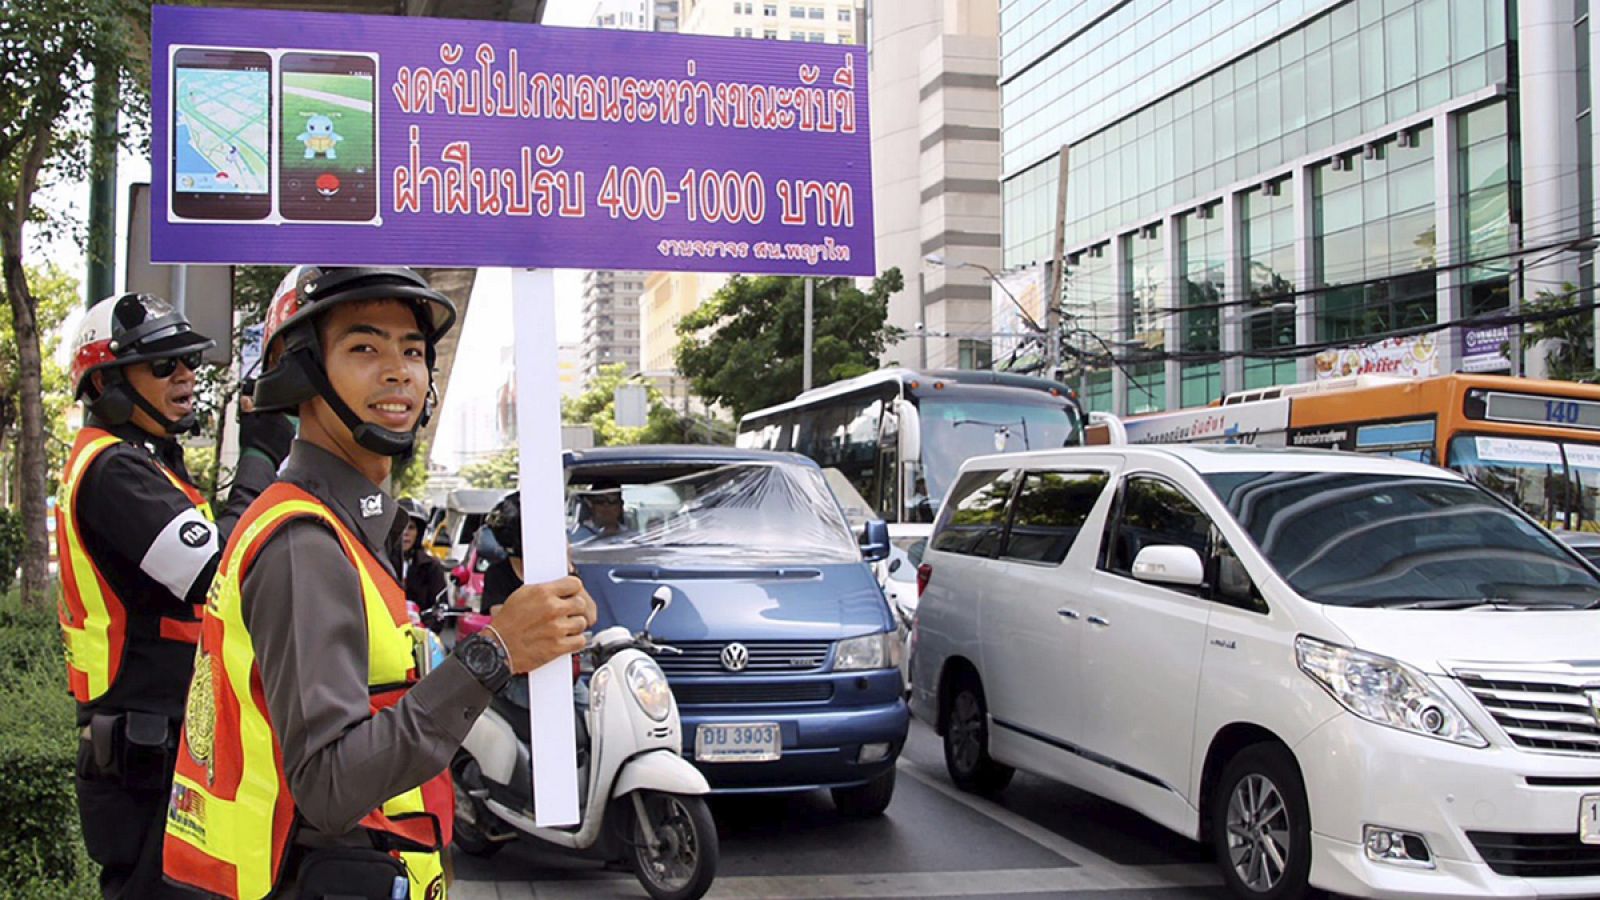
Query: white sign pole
[[544, 534]]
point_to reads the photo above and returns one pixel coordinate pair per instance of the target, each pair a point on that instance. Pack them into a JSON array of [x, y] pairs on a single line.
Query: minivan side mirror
[[875, 541], [1169, 564]]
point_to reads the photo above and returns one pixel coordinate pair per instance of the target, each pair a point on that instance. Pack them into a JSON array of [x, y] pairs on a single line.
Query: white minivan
[[1354, 673]]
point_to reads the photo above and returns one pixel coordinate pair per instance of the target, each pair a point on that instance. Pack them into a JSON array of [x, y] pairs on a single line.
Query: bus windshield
[[1556, 482], [955, 429]]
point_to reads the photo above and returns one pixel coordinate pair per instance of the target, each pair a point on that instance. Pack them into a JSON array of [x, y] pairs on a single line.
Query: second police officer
[[137, 548]]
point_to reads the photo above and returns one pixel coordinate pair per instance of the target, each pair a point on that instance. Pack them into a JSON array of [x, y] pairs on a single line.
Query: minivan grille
[[751, 693], [1542, 710], [765, 658], [1536, 855]]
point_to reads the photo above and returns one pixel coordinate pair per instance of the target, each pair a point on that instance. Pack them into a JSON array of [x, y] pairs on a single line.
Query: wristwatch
[[485, 660]]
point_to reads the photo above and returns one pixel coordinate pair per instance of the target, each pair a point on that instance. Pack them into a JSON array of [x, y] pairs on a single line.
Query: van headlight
[[1385, 691], [649, 687], [870, 651]]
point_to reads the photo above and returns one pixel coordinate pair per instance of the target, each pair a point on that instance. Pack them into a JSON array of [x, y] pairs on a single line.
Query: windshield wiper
[[1502, 604]]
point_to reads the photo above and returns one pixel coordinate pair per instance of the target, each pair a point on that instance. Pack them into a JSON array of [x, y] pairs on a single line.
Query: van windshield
[[1351, 539], [749, 512]]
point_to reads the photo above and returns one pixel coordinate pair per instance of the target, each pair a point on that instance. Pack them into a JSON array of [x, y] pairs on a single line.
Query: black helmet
[[297, 372], [414, 511], [505, 523], [125, 329]]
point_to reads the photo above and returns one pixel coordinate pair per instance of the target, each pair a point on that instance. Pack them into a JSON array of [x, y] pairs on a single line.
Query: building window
[[845, 15], [817, 37], [846, 37], [1375, 241], [1202, 255], [1488, 192], [797, 12], [770, 34], [1142, 306], [815, 12], [769, 9], [971, 354], [1269, 265]]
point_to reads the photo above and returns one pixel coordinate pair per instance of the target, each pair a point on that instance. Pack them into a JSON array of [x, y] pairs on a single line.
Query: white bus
[[899, 436]]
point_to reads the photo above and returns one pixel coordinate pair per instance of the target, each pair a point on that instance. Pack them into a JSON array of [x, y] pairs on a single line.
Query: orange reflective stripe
[[229, 822], [94, 622]]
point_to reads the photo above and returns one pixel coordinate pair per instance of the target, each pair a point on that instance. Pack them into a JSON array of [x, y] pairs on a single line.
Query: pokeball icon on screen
[[327, 184]]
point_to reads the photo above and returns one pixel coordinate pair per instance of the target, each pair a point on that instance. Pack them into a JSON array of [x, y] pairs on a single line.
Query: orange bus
[[1535, 443]]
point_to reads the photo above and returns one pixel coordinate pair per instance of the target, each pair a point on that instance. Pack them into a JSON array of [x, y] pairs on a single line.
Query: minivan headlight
[[1385, 691], [649, 687], [869, 651]]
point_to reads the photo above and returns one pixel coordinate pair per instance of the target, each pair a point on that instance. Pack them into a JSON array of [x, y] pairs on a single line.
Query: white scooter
[[631, 773]]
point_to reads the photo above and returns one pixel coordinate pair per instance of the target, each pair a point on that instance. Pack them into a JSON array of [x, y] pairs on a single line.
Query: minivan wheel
[[1261, 825], [966, 742]]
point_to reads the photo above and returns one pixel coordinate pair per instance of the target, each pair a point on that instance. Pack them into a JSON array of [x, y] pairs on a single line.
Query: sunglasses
[[164, 367], [606, 501]]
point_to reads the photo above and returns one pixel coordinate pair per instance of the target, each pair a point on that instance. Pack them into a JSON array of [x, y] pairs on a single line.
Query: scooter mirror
[[661, 599]]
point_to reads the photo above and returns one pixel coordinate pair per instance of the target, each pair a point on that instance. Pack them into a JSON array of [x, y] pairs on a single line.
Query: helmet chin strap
[[181, 425], [371, 437]]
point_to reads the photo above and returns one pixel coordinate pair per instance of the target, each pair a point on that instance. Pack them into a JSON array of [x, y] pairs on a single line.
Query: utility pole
[[1052, 323], [805, 377]]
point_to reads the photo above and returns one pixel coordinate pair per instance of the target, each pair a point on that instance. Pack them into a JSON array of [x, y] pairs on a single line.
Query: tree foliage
[[597, 408], [410, 476], [51, 52], [498, 471], [743, 349], [1567, 341], [57, 294]]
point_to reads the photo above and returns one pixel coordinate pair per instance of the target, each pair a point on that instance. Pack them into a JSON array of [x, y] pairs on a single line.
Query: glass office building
[[1245, 177]]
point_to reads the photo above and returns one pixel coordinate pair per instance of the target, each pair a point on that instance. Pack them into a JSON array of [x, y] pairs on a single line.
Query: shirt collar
[[163, 447], [364, 507]]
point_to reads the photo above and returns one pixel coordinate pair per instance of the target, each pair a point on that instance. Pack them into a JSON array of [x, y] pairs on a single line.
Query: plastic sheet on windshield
[[768, 512]]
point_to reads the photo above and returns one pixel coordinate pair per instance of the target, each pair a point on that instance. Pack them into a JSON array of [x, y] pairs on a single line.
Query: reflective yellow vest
[[94, 621], [231, 819]]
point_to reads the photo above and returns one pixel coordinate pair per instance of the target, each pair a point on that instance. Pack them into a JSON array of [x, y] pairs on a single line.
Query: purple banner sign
[[308, 138]]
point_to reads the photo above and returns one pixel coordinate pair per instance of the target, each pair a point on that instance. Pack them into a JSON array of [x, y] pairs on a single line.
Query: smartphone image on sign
[[221, 141], [328, 137]]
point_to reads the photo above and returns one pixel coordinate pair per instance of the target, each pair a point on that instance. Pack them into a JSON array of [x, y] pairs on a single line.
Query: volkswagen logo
[[735, 657]]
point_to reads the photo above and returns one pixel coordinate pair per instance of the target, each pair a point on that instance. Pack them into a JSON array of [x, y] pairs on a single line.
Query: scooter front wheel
[[672, 844]]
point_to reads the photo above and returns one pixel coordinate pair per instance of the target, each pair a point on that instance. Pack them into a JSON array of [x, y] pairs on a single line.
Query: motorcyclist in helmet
[[138, 545], [418, 570]]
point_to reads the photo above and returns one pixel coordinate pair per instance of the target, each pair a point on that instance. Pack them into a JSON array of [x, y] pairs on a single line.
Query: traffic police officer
[[138, 547], [315, 751]]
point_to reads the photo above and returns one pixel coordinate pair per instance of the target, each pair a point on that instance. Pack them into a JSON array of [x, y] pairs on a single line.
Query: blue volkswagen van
[[788, 677]]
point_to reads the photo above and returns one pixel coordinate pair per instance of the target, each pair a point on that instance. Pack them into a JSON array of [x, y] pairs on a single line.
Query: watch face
[[482, 657]]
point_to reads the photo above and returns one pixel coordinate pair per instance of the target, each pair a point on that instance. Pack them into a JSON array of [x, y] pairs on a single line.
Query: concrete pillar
[[1448, 237], [1305, 263], [1235, 287], [1169, 298], [1120, 291], [1547, 57]]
